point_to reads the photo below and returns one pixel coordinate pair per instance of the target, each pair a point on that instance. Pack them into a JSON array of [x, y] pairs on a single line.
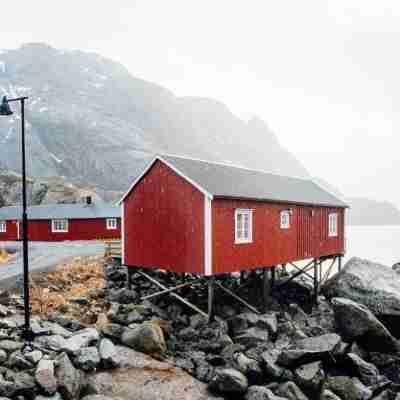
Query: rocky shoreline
[[339, 349]]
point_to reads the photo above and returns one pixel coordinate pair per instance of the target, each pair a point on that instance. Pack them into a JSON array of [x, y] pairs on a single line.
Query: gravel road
[[43, 256]]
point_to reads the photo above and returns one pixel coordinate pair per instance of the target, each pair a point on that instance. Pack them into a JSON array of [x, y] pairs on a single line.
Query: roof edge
[[147, 168], [298, 203]]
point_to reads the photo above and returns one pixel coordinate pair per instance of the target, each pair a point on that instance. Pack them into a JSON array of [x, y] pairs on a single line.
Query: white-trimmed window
[[3, 226], [285, 219], [333, 224], [111, 223], [243, 226], [59, 225]]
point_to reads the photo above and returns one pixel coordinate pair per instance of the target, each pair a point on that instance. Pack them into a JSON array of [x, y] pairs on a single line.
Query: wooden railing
[[113, 248]]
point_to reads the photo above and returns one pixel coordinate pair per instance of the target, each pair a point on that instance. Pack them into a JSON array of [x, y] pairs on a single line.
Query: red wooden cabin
[[58, 222], [204, 218]]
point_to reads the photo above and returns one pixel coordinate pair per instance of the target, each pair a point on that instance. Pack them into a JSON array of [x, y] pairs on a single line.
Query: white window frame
[[240, 236], [111, 223], [57, 229], [332, 224], [3, 226], [285, 219]]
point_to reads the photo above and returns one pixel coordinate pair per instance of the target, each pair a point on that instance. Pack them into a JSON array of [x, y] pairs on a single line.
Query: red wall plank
[[78, 229], [164, 223], [307, 236], [11, 231]]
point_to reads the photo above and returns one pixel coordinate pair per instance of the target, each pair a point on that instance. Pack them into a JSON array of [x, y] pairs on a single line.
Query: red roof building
[[204, 218], [58, 222]]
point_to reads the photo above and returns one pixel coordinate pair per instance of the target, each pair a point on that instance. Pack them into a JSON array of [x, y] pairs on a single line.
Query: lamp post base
[[28, 335]]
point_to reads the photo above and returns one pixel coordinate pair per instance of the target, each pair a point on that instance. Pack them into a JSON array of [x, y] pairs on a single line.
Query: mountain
[[90, 121], [371, 212], [46, 190]]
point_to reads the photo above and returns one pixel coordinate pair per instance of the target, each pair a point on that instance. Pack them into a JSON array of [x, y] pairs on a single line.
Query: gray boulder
[[310, 349], [328, 395], [18, 361], [229, 381], [10, 345], [80, 340], [45, 377], [55, 396], [367, 372], [108, 354], [53, 342], [252, 337], [290, 391], [261, 393], [347, 388], [147, 338], [310, 376], [3, 356], [34, 356], [101, 383], [356, 322], [69, 378], [267, 321], [249, 367], [88, 359], [113, 331], [272, 371], [374, 285]]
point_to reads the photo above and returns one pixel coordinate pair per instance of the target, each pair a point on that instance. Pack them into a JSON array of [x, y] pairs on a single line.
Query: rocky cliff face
[[92, 122], [46, 191]]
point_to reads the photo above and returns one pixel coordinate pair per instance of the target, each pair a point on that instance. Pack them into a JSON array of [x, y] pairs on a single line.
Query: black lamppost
[[4, 111]]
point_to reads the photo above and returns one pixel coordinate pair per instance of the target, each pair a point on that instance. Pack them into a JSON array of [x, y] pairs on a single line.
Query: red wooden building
[[192, 216], [58, 222]]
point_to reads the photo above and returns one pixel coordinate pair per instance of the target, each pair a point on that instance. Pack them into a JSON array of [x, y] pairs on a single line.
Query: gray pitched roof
[[221, 180], [69, 211]]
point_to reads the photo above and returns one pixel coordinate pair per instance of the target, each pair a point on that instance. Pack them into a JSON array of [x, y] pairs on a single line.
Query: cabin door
[[305, 232]]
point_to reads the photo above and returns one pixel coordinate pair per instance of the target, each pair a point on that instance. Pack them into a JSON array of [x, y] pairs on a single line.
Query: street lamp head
[[5, 107]]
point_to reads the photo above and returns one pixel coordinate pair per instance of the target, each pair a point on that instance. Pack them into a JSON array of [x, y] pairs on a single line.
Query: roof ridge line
[[232, 165]]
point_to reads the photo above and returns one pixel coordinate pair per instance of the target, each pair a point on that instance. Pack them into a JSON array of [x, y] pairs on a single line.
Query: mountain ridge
[[82, 105]]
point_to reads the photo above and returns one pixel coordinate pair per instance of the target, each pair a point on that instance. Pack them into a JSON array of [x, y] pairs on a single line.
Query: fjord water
[[380, 243]]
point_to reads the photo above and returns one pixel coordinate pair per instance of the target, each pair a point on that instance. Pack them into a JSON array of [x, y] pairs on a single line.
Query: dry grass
[[83, 277], [5, 257]]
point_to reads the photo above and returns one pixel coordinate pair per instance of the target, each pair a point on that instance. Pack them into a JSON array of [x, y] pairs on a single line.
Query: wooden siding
[[307, 236], [164, 223], [78, 229], [11, 231]]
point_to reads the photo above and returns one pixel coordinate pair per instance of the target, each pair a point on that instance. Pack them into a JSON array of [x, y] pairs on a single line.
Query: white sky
[[324, 75]]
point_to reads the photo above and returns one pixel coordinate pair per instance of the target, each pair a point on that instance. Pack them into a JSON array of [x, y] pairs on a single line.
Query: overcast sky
[[323, 74]]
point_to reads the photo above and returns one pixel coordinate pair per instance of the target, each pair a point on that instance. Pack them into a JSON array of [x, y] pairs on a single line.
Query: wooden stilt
[[320, 271], [182, 285], [339, 263], [184, 301], [210, 310], [241, 277], [266, 285], [316, 263], [129, 277], [239, 299], [273, 276]]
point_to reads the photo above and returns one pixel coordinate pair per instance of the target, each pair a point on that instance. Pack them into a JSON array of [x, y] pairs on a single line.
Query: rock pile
[[338, 351]]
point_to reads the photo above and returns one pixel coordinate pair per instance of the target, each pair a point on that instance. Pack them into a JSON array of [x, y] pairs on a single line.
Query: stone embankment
[[340, 350]]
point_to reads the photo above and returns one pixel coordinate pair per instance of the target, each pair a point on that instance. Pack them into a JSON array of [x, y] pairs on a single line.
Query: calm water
[[376, 243]]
